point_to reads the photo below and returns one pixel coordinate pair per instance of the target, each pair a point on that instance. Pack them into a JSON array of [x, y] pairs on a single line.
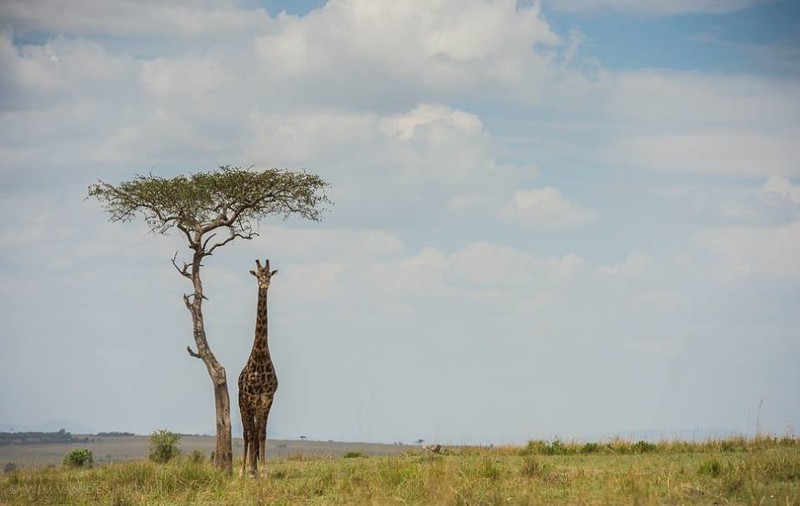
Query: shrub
[[643, 447], [557, 447], [197, 457], [163, 446], [534, 447], [590, 448], [554, 447], [353, 455], [9, 468], [79, 457]]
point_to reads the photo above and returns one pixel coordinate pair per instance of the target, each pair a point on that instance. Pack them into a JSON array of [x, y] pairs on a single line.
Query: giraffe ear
[[273, 273], [253, 273]]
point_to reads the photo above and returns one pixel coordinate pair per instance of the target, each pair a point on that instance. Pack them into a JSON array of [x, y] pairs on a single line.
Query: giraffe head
[[263, 274]]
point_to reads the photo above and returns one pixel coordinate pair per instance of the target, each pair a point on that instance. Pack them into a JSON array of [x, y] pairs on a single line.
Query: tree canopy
[[197, 204]]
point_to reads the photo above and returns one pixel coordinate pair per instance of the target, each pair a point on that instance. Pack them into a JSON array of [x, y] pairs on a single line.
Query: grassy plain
[[114, 449], [764, 470]]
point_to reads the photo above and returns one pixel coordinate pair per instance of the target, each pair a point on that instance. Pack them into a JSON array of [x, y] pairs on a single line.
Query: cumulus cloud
[[689, 122], [546, 208], [376, 267], [635, 263], [653, 7], [779, 190], [738, 153], [131, 18], [454, 45], [766, 251], [430, 159], [492, 265], [304, 244], [671, 98]]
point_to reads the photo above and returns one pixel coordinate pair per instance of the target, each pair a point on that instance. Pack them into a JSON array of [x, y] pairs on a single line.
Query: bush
[[590, 448], [79, 457], [554, 447], [353, 455], [643, 447], [9, 468], [197, 457], [557, 447], [163, 446]]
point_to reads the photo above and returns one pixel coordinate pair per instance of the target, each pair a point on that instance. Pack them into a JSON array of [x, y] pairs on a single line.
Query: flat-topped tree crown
[[230, 197]]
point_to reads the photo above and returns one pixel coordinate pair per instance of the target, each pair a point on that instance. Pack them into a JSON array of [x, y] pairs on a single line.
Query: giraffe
[[257, 381]]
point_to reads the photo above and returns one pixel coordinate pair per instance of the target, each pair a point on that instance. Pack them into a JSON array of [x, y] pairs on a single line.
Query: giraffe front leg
[[261, 434]]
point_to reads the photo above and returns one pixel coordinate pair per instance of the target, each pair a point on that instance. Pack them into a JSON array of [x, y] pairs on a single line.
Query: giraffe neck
[[260, 344]]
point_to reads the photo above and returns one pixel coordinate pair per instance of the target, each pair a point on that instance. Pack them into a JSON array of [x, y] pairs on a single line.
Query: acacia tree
[[212, 209]]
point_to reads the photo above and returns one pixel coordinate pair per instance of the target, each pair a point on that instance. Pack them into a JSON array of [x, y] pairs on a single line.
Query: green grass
[[756, 471]]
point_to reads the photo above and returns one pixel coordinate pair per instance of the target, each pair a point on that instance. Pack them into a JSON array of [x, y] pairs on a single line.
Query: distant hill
[[52, 426]]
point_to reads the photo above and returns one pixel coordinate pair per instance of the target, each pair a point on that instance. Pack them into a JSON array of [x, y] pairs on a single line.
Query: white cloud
[[430, 159], [304, 244], [131, 18], [544, 207], [767, 251], [38, 76], [479, 268], [779, 190], [419, 277], [491, 265], [668, 98], [35, 228], [736, 153], [390, 46], [403, 126], [653, 7], [635, 263], [691, 122], [313, 281]]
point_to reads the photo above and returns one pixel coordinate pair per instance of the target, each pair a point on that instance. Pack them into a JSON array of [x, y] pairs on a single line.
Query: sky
[[552, 219]]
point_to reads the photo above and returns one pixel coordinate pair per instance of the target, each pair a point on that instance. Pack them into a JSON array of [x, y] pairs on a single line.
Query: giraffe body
[[257, 382]]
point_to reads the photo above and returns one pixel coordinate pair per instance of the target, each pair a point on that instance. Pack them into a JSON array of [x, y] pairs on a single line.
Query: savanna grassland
[[764, 470]]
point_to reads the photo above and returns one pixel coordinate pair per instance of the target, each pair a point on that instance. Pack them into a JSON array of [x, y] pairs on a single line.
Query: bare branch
[[185, 231], [188, 302], [233, 236], [192, 353], [205, 243], [183, 272]]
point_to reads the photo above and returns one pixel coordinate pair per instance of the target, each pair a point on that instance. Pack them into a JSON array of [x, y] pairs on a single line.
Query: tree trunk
[[223, 454]]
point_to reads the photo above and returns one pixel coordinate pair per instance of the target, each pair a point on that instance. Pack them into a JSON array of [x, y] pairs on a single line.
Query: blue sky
[[554, 219]]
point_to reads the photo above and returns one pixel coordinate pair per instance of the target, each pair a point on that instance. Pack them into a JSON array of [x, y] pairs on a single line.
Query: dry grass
[[760, 471]]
